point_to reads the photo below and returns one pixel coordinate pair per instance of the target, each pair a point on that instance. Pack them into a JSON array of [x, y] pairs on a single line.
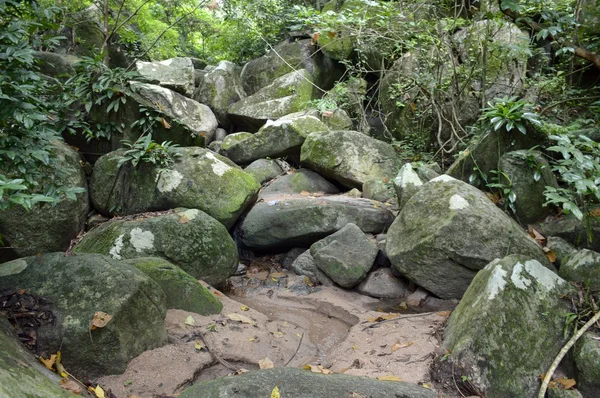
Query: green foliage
[[501, 184], [147, 151], [509, 113]]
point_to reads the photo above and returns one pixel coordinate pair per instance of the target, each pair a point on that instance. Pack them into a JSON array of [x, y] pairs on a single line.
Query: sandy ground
[[335, 328]]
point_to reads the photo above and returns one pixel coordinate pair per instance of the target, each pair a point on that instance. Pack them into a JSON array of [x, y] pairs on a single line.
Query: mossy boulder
[[287, 94], [448, 231], [406, 184], [47, 228], [282, 137], [176, 74], [188, 238], [305, 265], [199, 179], [582, 266], [300, 181], [582, 234], [264, 170], [78, 286], [182, 291], [349, 157], [220, 88], [379, 190], [56, 65], [346, 256], [381, 283], [21, 375], [234, 138], [586, 355], [508, 328], [296, 220], [527, 174]]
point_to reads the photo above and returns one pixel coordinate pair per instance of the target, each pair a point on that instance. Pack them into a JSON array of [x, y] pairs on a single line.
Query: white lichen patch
[[443, 178], [141, 240], [518, 279], [545, 277], [218, 166], [166, 62], [457, 202], [407, 176], [189, 214], [115, 251], [496, 282], [167, 180], [13, 267]]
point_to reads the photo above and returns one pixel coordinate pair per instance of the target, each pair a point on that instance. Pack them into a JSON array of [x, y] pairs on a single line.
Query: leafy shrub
[[509, 113], [147, 151]]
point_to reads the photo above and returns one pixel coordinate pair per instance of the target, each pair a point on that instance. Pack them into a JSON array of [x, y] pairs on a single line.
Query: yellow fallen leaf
[[277, 335], [240, 318], [318, 369], [565, 383], [100, 320], [389, 378], [426, 385], [275, 393], [199, 346], [551, 255], [244, 308], [70, 385], [354, 347], [251, 339], [190, 321], [59, 368], [304, 193], [99, 392], [445, 314], [49, 363], [183, 220], [398, 346], [266, 363]]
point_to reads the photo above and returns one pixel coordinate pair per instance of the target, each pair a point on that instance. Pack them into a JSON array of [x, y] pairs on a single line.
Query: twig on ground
[[297, 349], [218, 358], [377, 324]]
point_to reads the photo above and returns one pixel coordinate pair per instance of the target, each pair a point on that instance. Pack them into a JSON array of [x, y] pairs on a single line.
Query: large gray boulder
[[300, 181], [583, 234], [583, 266], [176, 74], [287, 94], [448, 231], [198, 179], [293, 221], [586, 355], [188, 238], [346, 256], [279, 138], [508, 327], [305, 265], [381, 283], [56, 65], [220, 88], [264, 170], [48, 228], [298, 383], [78, 286], [349, 157]]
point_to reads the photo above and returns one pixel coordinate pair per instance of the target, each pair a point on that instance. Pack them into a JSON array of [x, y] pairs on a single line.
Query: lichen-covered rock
[[287, 94], [220, 88], [300, 181], [406, 184], [188, 238], [181, 290], [382, 284], [176, 74], [508, 327], [561, 248], [336, 120], [298, 383], [264, 170], [233, 139], [582, 234], [379, 190], [349, 157], [527, 174], [56, 65], [300, 221], [346, 256], [47, 228], [448, 231], [305, 265], [80, 285], [582, 266], [198, 179], [276, 139], [587, 363], [21, 375]]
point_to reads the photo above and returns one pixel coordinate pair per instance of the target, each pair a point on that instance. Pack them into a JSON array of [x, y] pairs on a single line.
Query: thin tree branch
[[116, 28]]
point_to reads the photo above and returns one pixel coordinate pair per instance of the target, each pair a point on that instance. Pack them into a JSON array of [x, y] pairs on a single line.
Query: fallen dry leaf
[[315, 38], [318, 369], [190, 321], [240, 318], [331, 34], [100, 320], [389, 378], [277, 335], [198, 346], [183, 220], [275, 393], [70, 385], [539, 238], [59, 368], [398, 346], [266, 363], [445, 314], [426, 385], [551, 255], [244, 308], [565, 383], [165, 123], [304, 193], [49, 363], [99, 392]]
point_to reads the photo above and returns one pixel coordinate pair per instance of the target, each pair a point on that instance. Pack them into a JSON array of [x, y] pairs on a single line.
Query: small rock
[[382, 284]]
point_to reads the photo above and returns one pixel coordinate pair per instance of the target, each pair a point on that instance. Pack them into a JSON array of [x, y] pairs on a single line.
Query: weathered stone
[[512, 307], [190, 239], [215, 146], [198, 179], [346, 256], [287, 94], [276, 139], [427, 172], [80, 285], [382, 284], [379, 190], [557, 392], [56, 65], [182, 291], [220, 134], [448, 231], [417, 298], [176, 74], [587, 363], [407, 183], [582, 266], [336, 120], [305, 265], [349, 157], [581, 234], [300, 221], [234, 138], [47, 228], [297, 383], [561, 248], [264, 170], [300, 181]]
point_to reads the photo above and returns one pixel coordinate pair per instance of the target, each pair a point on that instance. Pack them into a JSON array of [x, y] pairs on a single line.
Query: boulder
[[561, 248], [285, 58], [220, 134], [287, 94], [349, 157], [305, 265], [583, 234], [282, 137], [513, 306], [382, 284], [336, 120], [582, 266], [300, 221], [198, 178], [379, 190], [21, 375], [176, 74], [527, 174], [346, 256], [220, 88], [300, 181], [48, 228], [298, 383], [190, 239], [78, 286], [233, 139], [406, 184], [56, 65], [586, 355], [181, 290], [448, 231], [264, 170]]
